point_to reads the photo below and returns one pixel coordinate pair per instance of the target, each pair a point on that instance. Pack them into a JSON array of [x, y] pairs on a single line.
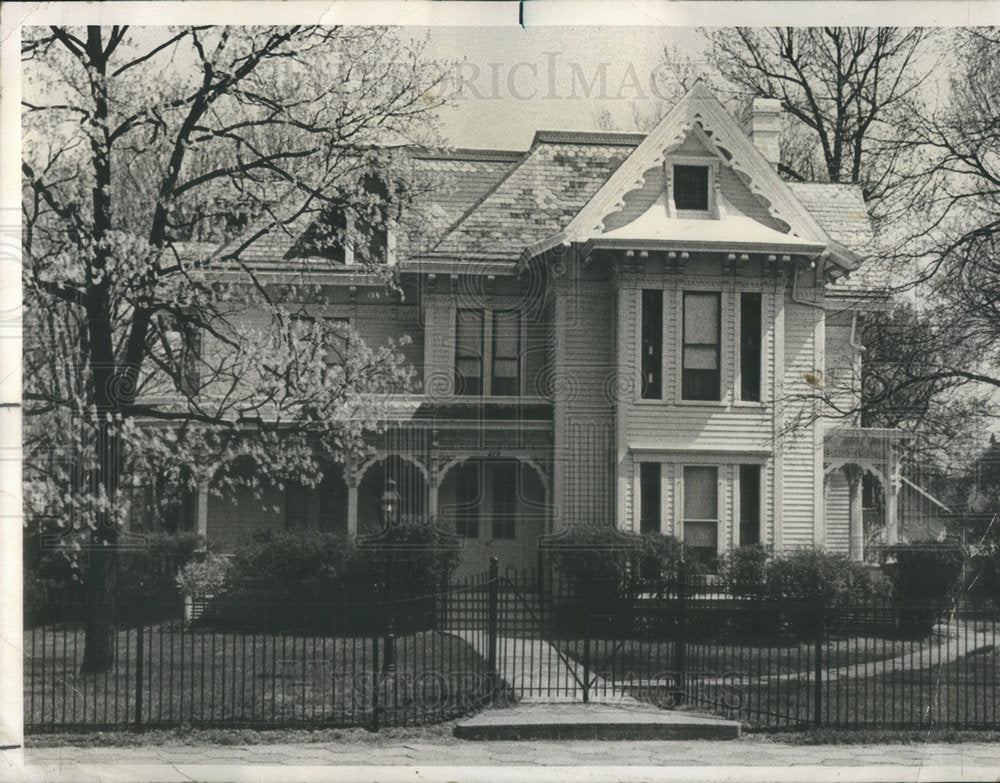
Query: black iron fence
[[769, 663], [524, 635], [268, 664]]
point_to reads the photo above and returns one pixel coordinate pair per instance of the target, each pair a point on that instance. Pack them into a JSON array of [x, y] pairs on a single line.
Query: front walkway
[[749, 759], [535, 671]]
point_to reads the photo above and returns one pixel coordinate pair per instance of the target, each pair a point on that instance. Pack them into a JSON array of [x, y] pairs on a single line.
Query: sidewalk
[[749, 759]]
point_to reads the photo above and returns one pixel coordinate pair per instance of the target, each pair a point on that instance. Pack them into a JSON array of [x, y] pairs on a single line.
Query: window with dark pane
[[700, 371], [296, 506], [691, 187], [652, 344], [469, 352], [701, 512], [649, 497], [504, 500], [335, 351], [506, 376], [372, 226], [182, 348], [749, 504], [750, 346], [324, 237], [468, 498]]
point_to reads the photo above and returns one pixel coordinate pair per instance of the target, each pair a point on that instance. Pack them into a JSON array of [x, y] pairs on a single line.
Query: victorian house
[[614, 329]]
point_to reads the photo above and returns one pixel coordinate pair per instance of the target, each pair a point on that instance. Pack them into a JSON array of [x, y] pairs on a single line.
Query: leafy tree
[[158, 167]]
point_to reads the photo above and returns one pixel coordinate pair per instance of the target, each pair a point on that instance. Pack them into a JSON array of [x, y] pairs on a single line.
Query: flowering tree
[[160, 167]]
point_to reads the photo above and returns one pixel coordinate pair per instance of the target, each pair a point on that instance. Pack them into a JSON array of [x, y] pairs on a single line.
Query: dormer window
[[691, 188]]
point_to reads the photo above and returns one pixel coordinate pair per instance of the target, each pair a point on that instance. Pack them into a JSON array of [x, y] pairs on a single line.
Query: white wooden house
[[612, 329]]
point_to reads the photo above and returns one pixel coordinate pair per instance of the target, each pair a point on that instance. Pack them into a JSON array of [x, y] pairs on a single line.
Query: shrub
[[809, 576], [927, 571], [303, 566], [925, 578], [603, 569], [744, 571], [414, 557], [280, 580]]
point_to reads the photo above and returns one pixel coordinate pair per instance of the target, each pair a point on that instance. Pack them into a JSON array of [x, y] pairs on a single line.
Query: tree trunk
[[102, 565], [98, 649]]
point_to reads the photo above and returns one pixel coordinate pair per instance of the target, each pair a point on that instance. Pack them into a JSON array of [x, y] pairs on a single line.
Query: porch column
[[351, 477], [856, 522], [201, 512], [433, 483], [891, 490]]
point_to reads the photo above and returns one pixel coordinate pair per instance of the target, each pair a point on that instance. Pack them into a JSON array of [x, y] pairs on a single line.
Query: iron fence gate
[[780, 664], [524, 635]]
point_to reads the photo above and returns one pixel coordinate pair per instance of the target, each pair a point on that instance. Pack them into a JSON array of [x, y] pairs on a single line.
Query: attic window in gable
[[691, 188], [355, 233]]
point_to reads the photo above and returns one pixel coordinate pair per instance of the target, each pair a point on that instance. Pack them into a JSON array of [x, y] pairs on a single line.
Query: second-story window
[[750, 328], [487, 352], [182, 351], [652, 344], [469, 352], [702, 350], [505, 380]]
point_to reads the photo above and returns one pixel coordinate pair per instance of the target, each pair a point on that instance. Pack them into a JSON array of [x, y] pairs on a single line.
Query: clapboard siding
[[584, 393], [799, 463], [838, 504]]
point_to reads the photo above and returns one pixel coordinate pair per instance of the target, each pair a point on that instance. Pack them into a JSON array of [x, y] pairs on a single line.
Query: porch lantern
[[389, 503]]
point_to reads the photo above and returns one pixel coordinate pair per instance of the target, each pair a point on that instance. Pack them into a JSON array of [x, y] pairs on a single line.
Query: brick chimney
[[764, 127]]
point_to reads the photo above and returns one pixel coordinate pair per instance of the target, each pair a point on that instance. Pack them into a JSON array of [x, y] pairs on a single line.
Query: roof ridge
[[613, 138], [469, 153]]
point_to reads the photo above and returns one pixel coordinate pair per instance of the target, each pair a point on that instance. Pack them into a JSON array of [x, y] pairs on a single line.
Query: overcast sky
[[515, 81]]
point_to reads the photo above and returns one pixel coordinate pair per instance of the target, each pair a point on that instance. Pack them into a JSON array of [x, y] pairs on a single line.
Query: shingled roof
[[538, 196], [840, 209]]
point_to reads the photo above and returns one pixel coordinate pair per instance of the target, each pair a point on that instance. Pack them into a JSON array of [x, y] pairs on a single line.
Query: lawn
[[205, 677], [646, 660], [960, 693]]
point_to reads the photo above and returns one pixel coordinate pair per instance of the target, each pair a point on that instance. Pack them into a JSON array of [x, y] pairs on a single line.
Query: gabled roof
[[699, 111]]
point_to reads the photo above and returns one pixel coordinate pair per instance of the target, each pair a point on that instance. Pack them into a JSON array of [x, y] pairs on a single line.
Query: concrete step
[[593, 722]]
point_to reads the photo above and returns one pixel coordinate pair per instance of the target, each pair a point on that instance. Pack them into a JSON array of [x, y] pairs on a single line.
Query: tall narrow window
[[750, 328], [506, 376], [700, 374], [649, 497], [701, 512], [749, 504], [468, 498], [652, 344], [336, 339], [691, 187], [504, 500], [469, 352], [181, 342]]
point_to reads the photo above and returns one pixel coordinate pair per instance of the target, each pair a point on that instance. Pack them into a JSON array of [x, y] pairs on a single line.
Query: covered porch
[[850, 454]]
